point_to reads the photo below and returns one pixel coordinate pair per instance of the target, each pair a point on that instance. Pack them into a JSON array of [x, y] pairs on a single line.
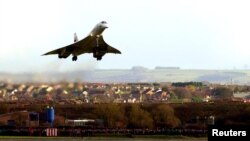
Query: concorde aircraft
[[93, 43]]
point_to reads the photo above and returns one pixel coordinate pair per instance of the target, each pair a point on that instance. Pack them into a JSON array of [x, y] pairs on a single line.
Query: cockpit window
[[103, 22]]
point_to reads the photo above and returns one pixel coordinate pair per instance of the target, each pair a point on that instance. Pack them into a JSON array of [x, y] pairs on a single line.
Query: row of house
[[78, 93]]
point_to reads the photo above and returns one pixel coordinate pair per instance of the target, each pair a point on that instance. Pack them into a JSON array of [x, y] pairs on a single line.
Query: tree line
[[146, 115]]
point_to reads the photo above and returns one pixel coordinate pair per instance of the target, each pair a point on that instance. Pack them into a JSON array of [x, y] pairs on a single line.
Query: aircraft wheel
[[99, 58], [74, 58]]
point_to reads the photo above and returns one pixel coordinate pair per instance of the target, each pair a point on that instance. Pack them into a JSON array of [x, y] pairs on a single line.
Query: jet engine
[[98, 52]]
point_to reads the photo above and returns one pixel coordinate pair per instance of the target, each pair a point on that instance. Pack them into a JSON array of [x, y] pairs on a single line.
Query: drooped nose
[[104, 26]]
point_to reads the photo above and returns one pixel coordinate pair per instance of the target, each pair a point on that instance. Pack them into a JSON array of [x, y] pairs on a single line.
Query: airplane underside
[[98, 53], [93, 43]]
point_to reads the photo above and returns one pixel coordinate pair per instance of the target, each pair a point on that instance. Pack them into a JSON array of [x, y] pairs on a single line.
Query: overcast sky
[[191, 34]]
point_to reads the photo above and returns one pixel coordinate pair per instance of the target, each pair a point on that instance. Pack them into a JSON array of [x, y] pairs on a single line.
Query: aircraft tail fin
[[75, 38]]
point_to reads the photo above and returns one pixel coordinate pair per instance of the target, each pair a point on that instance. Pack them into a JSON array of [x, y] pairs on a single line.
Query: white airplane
[[93, 43]]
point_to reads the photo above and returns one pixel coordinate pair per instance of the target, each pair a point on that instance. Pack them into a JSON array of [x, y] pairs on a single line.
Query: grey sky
[[191, 34]]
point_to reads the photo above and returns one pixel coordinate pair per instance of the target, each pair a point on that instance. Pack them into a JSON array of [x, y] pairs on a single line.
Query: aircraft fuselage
[[98, 29], [93, 43]]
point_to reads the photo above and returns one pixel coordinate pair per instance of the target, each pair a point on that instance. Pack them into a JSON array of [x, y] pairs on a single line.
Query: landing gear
[[99, 50], [74, 58], [99, 58], [97, 41], [98, 54]]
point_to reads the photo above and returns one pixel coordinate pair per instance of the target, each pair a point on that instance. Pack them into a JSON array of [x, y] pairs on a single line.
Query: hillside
[[136, 74]]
